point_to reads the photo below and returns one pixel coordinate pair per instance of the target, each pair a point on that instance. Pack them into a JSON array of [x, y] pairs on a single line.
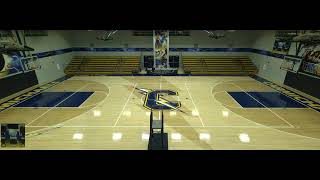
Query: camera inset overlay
[[12, 135]]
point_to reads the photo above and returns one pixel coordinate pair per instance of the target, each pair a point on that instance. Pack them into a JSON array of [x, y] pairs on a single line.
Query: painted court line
[[264, 105], [288, 95], [56, 105], [33, 95], [270, 127], [125, 105], [47, 128], [230, 109], [232, 99], [262, 126], [95, 92], [79, 107], [185, 84], [214, 94], [83, 126]]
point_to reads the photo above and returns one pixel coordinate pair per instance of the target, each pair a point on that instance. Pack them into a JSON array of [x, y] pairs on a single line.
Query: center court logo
[[156, 99]]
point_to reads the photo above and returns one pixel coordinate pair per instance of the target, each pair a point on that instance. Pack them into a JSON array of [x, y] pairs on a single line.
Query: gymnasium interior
[[160, 89]]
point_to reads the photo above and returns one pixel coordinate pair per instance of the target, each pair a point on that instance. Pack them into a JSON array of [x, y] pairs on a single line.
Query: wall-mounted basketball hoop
[[30, 63]]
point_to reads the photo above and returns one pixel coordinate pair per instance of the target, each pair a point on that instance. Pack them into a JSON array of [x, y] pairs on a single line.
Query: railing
[[81, 64], [204, 65], [238, 61], [108, 64]]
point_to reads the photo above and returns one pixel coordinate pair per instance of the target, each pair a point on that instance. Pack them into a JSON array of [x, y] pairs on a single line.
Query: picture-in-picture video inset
[[12, 135]]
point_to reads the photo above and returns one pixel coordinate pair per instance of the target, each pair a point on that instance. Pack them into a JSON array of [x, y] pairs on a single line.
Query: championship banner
[[291, 64], [281, 47], [161, 49], [311, 61]]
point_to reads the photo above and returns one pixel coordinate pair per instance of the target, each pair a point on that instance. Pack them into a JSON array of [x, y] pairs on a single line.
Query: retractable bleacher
[[218, 65], [103, 65]]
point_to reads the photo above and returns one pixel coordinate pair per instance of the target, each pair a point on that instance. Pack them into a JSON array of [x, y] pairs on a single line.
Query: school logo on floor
[[156, 99]]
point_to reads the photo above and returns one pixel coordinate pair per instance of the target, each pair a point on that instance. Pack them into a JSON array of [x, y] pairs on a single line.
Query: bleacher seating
[[218, 65], [103, 65]]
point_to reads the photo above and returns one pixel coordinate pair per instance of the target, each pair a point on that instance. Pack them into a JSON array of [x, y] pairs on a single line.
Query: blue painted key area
[[264, 99], [56, 99], [245, 100], [76, 100]]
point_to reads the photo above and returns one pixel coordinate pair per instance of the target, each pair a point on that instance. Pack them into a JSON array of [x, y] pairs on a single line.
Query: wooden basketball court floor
[[114, 116]]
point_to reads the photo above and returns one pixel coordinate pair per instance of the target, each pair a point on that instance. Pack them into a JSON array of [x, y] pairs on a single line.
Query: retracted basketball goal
[[15, 55]]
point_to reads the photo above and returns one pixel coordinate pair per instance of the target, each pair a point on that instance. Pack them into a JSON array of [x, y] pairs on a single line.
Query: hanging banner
[[281, 47], [161, 49]]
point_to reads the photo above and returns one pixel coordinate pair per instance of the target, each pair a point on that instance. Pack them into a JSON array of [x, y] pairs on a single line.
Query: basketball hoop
[[30, 63]]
